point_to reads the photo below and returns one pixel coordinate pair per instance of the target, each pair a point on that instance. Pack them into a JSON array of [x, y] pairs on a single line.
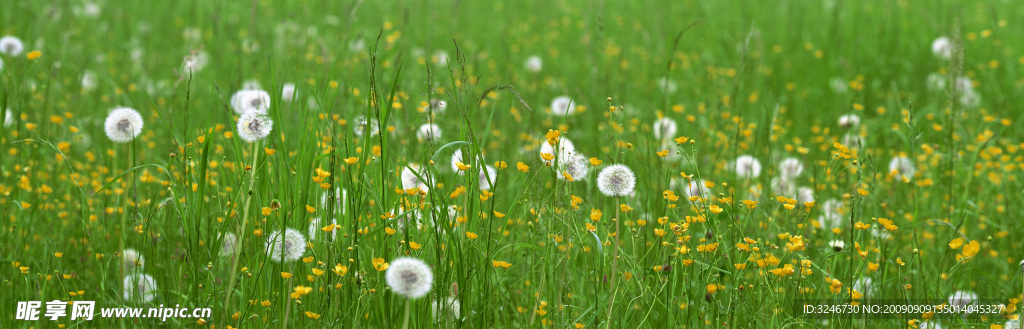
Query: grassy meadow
[[842, 151]]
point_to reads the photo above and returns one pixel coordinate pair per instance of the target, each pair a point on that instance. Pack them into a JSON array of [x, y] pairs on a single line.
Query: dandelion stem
[[408, 308], [615, 263], [241, 229]]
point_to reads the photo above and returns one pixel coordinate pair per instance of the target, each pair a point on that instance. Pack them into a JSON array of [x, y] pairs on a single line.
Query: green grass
[[753, 79]]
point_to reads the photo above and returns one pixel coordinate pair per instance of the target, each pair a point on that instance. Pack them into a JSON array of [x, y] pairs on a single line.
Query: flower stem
[[408, 308], [241, 230], [615, 263]]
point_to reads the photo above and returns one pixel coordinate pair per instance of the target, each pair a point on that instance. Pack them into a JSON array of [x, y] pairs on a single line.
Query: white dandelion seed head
[[563, 105], [286, 247], [428, 132], [963, 84], [832, 212], [229, 243], [123, 125], [11, 46], [970, 98], [250, 100], [488, 176], [665, 128], [565, 150], [139, 286], [191, 34], [790, 168], [89, 10], [804, 194], [288, 91], [132, 260], [88, 80], [942, 47], [837, 246], [534, 64], [961, 298], [838, 85], [747, 167], [1012, 324], [932, 324], [457, 157], [852, 141], [616, 180], [438, 106], [697, 187], [783, 186], [448, 309], [902, 168], [403, 218], [357, 45], [440, 58], [316, 228], [849, 121], [409, 277], [576, 166], [362, 124], [254, 126], [864, 286], [251, 84], [411, 180], [8, 118], [667, 85], [935, 82], [196, 61]]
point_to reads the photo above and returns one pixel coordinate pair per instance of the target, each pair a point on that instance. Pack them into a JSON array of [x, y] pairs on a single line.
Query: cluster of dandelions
[[137, 286]]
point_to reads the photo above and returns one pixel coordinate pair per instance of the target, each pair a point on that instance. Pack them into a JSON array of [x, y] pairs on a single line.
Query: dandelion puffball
[[196, 61], [747, 167], [449, 309], [288, 91], [849, 121], [488, 176], [409, 277], [837, 246], [228, 244], [140, 286], [250, 100], [667, 85], [438, 106], [428, 132], [534, 64], [563, 105], [11, 46], [616, 180], [362, 124], [254, 126], [440, 58], [8, 118], [286, 247], [316, 227], [902, 167], [123, 125], [565, 150], [132, 260], [942, 48], [962, 299], [411, 178], [790, 168], [577, 166], [665, 128]]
